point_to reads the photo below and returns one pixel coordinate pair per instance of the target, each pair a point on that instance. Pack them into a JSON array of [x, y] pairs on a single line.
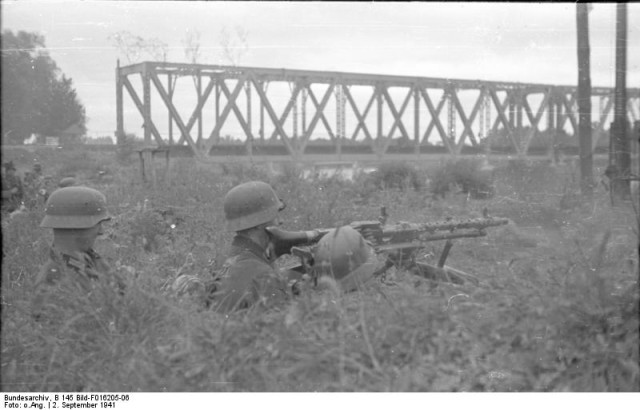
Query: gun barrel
[[452, 225], [419, 243]]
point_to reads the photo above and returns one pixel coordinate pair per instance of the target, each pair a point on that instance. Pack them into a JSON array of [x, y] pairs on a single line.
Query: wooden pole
[[621, 159], [119, 108], [584, 100]]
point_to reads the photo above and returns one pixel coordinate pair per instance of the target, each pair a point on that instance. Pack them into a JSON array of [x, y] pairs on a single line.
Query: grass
[[556, 308]]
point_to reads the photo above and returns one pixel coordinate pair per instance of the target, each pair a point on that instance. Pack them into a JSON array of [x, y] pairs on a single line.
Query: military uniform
[[247, 278], [78, 272], [35, 190], [10, 200], [82, 267]]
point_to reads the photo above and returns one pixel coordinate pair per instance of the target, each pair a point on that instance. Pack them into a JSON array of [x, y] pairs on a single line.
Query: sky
[[521, 42]]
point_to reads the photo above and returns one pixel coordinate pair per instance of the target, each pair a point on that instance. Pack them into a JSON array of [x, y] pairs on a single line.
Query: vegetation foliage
[[36, 96], [556, 308], [465, 176]]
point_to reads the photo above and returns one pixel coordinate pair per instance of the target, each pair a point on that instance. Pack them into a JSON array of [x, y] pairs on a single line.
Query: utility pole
[[584, 99], [619, 156]]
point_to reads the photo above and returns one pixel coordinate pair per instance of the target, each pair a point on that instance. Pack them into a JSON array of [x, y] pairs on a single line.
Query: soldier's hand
[[316, 235], [282, 241], [369, 235]]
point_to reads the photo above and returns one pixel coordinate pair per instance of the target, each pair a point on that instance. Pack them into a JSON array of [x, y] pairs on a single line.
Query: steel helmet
[[66, 182], [250, 204], [75, 207], [344, 255]]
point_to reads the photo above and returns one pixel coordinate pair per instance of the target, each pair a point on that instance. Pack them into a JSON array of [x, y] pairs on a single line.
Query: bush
[[397, 175], [126, 148], [467, 175]]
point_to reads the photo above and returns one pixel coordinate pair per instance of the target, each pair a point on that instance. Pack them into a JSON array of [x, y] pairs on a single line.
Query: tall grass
[[555, 313]]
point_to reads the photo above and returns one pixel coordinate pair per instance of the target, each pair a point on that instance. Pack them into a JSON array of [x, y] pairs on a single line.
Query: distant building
[[55, 141]]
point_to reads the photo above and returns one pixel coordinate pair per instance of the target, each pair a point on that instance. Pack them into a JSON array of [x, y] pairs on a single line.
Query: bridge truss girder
[[509, 101]]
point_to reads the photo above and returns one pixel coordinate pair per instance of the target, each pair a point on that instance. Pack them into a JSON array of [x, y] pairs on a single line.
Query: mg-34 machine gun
[[399, 242]]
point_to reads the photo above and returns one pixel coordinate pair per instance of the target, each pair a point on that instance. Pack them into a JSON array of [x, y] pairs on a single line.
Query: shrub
[[239, 172], [397, 175], [126, 148], [467, 174]]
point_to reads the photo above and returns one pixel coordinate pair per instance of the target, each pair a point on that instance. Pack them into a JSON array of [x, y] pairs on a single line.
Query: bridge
[[232, 112]]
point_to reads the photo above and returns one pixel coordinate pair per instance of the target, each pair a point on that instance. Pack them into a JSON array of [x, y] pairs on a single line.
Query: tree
[[36, 96], [191, 45], [135, 47], [234, 48]]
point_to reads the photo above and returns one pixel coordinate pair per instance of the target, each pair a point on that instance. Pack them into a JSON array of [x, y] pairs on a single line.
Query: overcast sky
[[523, 42]]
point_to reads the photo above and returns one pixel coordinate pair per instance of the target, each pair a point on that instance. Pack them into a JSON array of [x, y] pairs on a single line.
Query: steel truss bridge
[[214, 110]]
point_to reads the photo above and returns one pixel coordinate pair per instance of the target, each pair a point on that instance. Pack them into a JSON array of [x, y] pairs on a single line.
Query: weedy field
[[556, 308]]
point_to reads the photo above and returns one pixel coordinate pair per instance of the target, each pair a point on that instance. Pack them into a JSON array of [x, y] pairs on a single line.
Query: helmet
[[75, 207], [343, 254], [66, 182], [250, 204]]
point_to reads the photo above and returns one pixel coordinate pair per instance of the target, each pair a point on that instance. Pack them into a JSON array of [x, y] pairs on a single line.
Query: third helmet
[[344, 254], [67, 181]]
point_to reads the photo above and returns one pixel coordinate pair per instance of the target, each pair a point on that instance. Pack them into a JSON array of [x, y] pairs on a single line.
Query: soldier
[[76, 215], [47, 187], [248, 276], [35, 187], [36, 173], [12, 190]]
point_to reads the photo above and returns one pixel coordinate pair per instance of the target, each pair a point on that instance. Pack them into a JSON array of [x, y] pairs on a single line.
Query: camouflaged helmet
[[75, 207], [250, 204], [344, 255]]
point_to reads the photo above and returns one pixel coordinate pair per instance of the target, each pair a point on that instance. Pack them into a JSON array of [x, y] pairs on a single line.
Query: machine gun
[[399, 243]]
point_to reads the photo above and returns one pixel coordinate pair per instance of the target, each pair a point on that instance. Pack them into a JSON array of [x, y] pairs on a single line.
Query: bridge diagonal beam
[[278, 123], [466, 122], [603, 117], [502, 117], [319, 114], [243, 123], [631, 111], [435, 120], [197, 110], [177, 118], [361, 123], [397, 115], [184, 129], [534, 119], [214, 137], [287, 109], [138, 103], [568, 103]]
